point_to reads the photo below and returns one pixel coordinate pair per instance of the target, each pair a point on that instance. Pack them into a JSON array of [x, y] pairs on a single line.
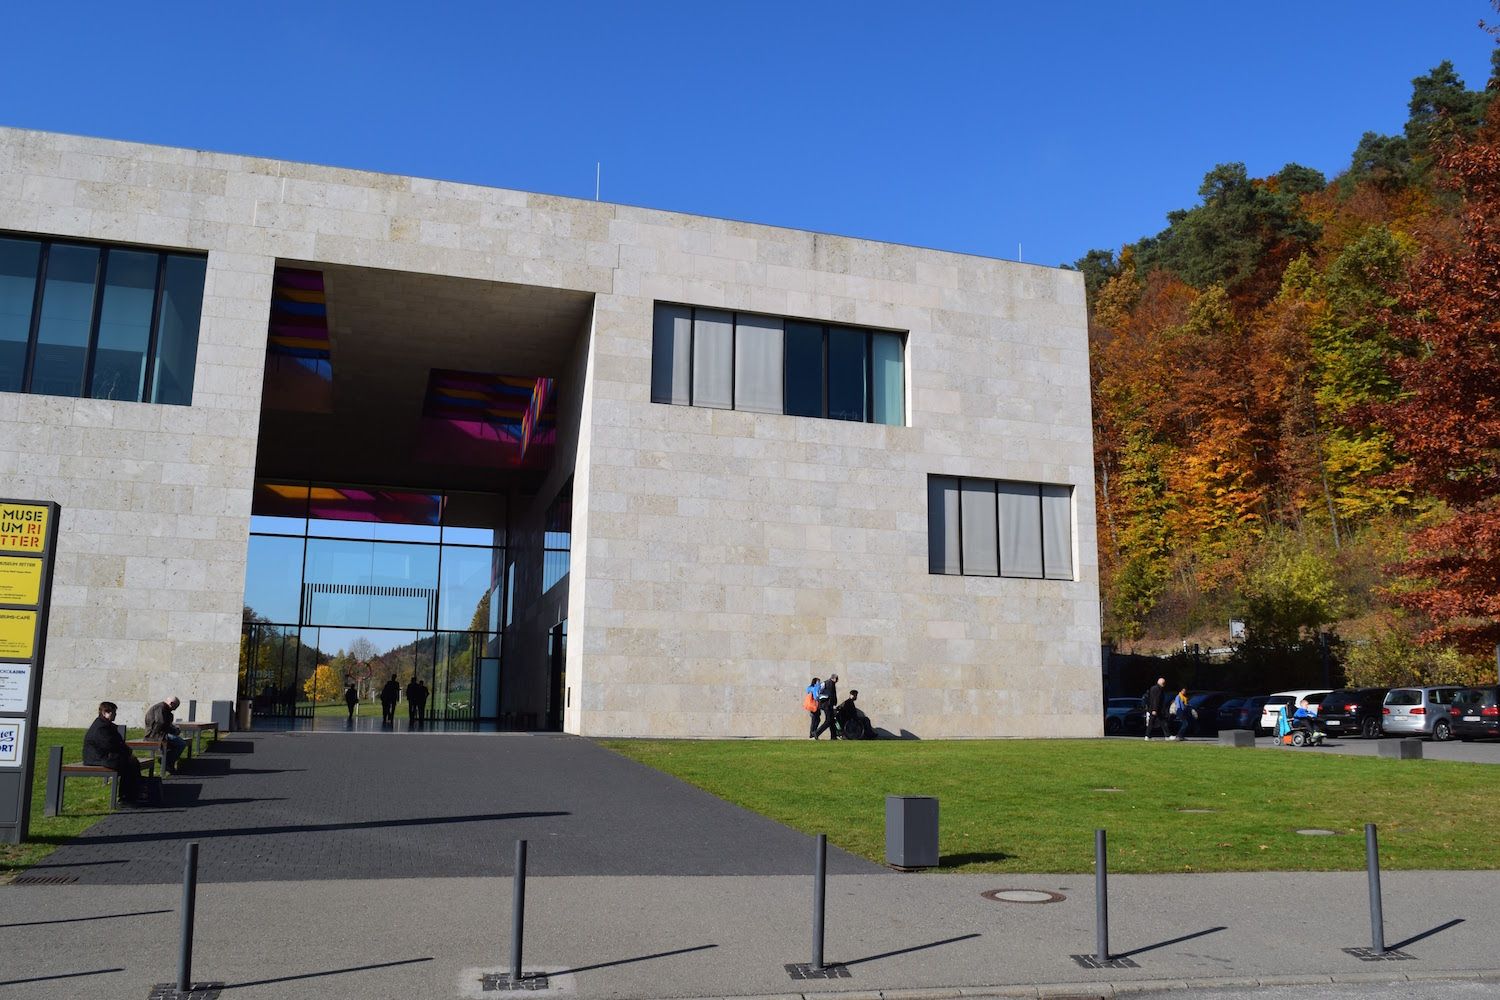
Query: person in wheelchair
[[1300, 721], [853, 724]]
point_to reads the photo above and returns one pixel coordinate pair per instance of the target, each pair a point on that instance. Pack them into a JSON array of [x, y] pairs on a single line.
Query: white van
[[1288, 698]]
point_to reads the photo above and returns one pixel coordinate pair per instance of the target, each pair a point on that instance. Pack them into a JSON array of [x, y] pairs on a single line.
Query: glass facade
[[99, 321], [765, 364], [351, 585]]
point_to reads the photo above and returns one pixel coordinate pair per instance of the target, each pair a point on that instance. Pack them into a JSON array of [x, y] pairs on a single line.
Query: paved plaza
[[377, 866]]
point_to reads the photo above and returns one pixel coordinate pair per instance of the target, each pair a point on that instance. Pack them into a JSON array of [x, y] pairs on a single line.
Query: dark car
[[1247, 716], [1205, 706], [1228, 713], [1123, 715], [1476, 713], [1352, 711]]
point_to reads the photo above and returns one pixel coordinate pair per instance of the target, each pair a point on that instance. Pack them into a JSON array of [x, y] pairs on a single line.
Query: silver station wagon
[[1419, 711]]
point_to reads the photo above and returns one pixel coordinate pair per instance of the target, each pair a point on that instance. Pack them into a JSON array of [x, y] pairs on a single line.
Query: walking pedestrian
[[1182, 713], [828, 702], [389, 695], [1156, 707], [351, 698], [810, 705]]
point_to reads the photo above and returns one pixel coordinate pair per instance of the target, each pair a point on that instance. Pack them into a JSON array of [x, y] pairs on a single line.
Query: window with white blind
[[988, 527], [766, 364]]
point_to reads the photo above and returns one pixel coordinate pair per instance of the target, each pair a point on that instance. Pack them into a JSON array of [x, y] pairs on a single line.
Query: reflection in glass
[[464, 601], [804, 369], [177, 329], [67, 314], [473, 519], [846, 373], [273, 578], [379, 584], [124, 325], [18, 264], [888, 379]]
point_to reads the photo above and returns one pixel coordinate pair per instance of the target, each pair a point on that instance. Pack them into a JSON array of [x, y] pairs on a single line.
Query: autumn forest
[[1296, 391]]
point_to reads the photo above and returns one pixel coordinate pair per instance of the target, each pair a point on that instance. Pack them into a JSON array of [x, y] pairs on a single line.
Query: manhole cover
[[1023, 896], [1310, 832]]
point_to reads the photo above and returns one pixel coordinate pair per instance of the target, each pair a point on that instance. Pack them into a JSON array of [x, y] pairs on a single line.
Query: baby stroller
[[1295, 732]]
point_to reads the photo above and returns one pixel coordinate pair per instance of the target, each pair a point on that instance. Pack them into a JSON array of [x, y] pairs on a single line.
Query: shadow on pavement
[[1401, 945], [627, 961], [973, 858], [80, 920], [231, 746], [908, 951], [330, 972], [60, 975], [249, 831], [1164, 944]]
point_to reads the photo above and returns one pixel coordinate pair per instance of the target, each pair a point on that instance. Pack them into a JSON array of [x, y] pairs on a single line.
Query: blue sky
[[974, 127]]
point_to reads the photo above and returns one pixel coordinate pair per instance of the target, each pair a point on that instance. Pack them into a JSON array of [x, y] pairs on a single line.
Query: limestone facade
[[720, 558]]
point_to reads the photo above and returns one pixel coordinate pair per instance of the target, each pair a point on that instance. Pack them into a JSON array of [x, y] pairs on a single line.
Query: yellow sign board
[[17, 630], [23, 528], [20, 580]]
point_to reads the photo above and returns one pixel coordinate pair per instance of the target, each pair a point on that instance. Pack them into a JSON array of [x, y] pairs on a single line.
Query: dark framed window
[[991, 527], [767, 364], [105, 322]]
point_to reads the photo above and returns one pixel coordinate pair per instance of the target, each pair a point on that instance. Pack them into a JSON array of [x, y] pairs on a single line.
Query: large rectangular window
[[99, 321], [764, 364], [987, 527]]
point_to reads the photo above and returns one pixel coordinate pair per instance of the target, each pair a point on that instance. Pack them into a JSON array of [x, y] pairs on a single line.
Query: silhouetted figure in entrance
[[413, 703], [389, 695], [103, 746], [351, 698], [419, 702]]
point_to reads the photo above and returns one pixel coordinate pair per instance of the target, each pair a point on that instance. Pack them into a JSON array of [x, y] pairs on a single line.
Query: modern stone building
[[572, 464]]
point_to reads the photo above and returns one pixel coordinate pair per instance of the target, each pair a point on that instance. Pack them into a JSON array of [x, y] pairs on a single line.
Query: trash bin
[[911, 831]]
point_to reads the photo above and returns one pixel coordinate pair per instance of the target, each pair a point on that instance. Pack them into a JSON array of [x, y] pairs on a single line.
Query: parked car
[[1420, 711], [1247, 716], [1228, 712], [1206, 705], [1351, 712], [1290, 699], [1475, 713], [1123, 715]]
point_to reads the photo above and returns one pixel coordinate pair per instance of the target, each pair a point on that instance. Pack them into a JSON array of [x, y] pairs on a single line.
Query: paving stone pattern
[[285, 806]]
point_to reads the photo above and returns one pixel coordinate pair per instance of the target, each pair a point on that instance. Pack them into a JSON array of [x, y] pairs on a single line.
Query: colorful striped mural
[[472, 418], [299, 367]]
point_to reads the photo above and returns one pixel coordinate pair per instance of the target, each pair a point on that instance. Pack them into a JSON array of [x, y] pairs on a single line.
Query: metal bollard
[[189, 901], [517, 912], [1377, 916], [820, 878], [1101, 899]]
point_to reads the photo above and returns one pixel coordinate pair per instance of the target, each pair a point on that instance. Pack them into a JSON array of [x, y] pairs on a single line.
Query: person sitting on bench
[[103, 746], [159, 727]]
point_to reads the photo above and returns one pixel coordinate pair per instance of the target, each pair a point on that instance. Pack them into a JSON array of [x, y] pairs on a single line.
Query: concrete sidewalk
[[725, 936]]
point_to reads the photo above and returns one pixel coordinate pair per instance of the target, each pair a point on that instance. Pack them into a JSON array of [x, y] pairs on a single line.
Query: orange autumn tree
[[1446, 426]]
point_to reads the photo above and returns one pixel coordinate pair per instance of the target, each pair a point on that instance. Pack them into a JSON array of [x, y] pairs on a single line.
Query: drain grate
[[1389, 955], [45, 880], [501, 981], [804, 970], [195, 991], [1093, 962]]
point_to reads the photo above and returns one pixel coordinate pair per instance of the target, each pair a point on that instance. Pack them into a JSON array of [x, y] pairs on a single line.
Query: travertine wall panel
[[719, 558]]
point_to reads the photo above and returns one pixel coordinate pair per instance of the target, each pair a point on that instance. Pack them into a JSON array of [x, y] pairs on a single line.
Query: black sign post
[[28, 547]]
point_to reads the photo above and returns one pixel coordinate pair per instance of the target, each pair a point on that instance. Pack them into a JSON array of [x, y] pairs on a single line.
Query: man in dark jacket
[[828, 702], [389, 695], [421, 702], [1156, 707], [413, 700], [351, 698], [103, 746], [159, 726]]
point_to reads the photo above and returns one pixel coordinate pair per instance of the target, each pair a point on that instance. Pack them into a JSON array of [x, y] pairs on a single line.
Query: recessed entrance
[[412, 509]]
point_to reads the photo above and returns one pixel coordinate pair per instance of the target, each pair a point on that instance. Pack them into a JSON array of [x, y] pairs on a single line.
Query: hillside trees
[[1300, 375]]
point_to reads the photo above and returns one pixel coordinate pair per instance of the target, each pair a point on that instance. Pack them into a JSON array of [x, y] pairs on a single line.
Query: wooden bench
[[58, 774], [193, 732], [156, 748]]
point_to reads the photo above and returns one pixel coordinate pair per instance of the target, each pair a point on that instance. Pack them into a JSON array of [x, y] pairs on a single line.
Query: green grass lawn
[[1033, 805], [87, 803]]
